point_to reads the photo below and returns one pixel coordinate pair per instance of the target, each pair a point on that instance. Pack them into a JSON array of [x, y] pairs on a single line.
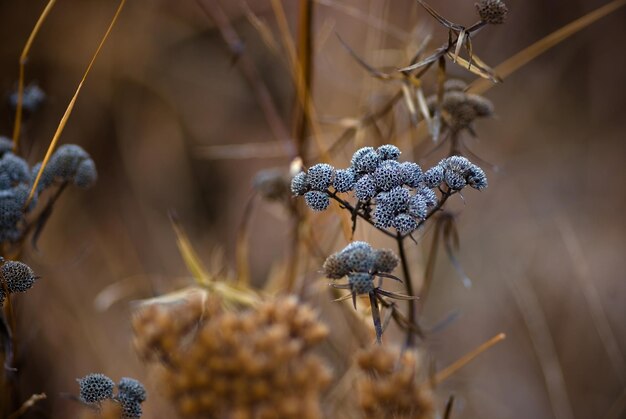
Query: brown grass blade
[[70, 107], [466, 359], [194, 265], [528, 54], [20, 84], [28, 404]]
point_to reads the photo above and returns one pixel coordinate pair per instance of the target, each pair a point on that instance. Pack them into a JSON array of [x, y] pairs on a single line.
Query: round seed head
[[429, 196], [344, 180], [14, 168], [482, 106], [32, 99], [404, 223], [365, 160], [320, 176], [454, 85], [299, 184], [6, 144], [417, 207], [361, 283], [385, 261], [476, 177], [455, 180], [65, 161], [433, 176], [398, 199], [492, 11], [131, 409], [365, 188], [133, 389], [336, 266], [388, 152], [271, 184], [10, 210], [95, 388], [411, 174], [455, 171], [317, 200], [388, 175], [383, 215], [358, 257], [86, 174], [17, 276]]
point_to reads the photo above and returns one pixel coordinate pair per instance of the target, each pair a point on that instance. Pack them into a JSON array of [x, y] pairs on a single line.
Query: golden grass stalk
[[20, 83], [70, 106], [27, 405]]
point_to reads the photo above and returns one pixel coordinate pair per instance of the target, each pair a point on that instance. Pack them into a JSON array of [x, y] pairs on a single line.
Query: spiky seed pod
[[411, 174], [335, 266], [454, 85], [476, 177], [433, 176], [365, 160], [361, 283], [417, 207], [398, 199], [95, 388], [365, 188], [404, 223], [492, 11], [320, 176], [429, 196], [344, 180], [86, 174], [383, 215], [17, 276], [133, 389], [393, 384], [299, 184], [13, 169], [388, 175], [317, 200], [388, 152], [385, 260]]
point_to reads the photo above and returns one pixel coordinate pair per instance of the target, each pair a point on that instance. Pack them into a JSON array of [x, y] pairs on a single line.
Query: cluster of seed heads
[[69, 163], [15, 277], [252, 363], [97, 388], [460, 109], [360, 263], [401, 193]]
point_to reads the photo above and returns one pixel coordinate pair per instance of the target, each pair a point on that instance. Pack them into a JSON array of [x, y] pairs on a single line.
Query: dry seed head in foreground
[[253, 363], [392, 384]]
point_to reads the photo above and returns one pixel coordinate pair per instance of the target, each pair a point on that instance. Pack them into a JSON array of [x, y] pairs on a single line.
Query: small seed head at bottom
[[361, 283]]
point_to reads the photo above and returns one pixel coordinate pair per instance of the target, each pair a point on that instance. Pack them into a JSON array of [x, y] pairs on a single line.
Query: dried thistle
[[393, 384]]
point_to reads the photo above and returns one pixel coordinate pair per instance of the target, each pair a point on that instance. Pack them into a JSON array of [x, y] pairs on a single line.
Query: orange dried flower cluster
[[392, 385], [254, 363]]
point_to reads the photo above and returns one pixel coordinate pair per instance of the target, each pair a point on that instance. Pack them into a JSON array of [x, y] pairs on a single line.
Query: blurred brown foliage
[[545, 240]]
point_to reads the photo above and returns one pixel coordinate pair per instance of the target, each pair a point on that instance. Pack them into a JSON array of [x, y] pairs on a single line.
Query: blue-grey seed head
[[388, 152], [433, 176], [417, 207], [411, 174], [388, 175], [299, 184], [95, 388], [320, 176], [365, 160], [317, 200], [361, 283], [404, 223], [344, 180], [365, 188]]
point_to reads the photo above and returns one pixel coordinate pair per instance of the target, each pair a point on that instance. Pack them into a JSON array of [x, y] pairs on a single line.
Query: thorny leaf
[[373, 71], [439, 52], [445, 22]]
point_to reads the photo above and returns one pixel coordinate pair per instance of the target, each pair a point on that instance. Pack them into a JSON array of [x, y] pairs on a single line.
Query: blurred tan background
[[544, 244]]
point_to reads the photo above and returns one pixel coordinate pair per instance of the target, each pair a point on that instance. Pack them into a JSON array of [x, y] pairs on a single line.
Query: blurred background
[[167, 104]]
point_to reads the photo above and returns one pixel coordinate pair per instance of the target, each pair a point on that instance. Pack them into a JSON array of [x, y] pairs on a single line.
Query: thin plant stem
[[410, 336]]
